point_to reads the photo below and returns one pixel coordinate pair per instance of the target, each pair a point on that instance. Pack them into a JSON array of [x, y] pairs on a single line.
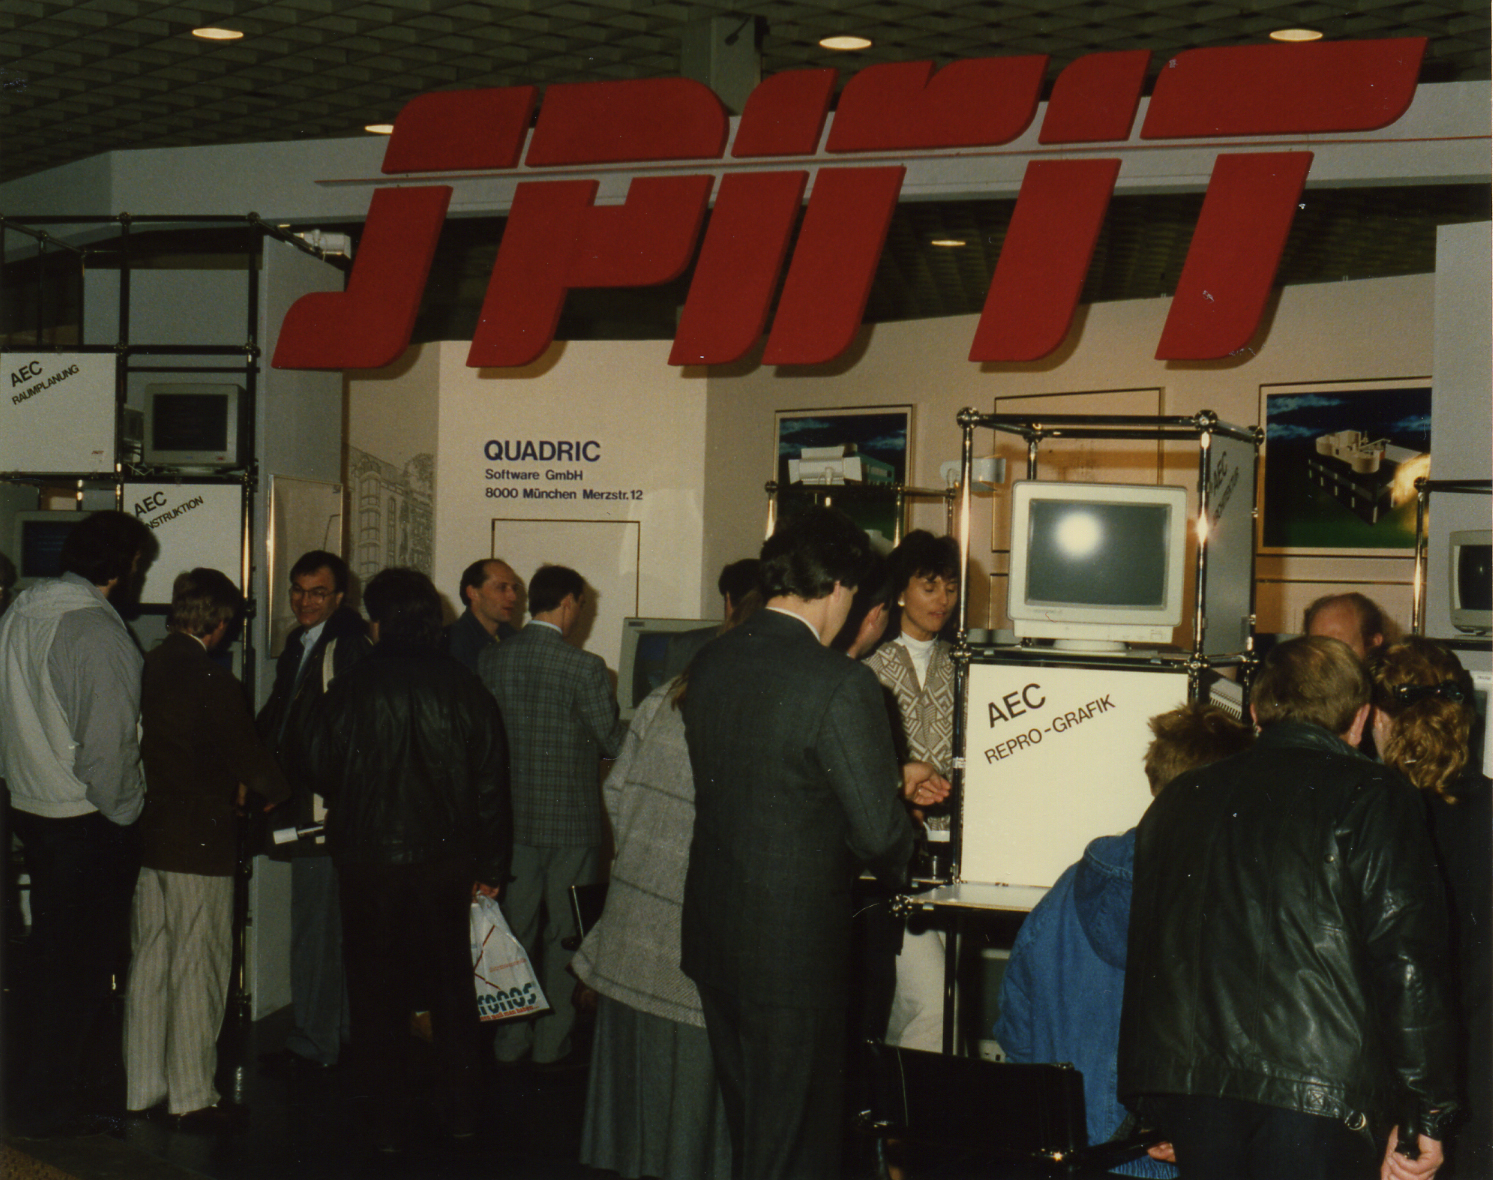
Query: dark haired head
[[7, 581], [877, 588], [474, 577], [406, 607], [1312, 679], [320, 559], [551, 585], [812, 551], [922, 555], [105, 547], [201, 599], [739, 579]]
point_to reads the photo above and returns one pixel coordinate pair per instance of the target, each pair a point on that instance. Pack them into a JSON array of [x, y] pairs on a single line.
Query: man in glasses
[[330, 639]]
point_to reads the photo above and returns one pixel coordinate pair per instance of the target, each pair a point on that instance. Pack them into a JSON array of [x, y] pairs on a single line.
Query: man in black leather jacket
[[1284, 994], [409, 750]]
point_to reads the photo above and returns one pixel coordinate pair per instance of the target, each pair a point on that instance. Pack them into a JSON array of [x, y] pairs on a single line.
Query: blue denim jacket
[[1060, 999]]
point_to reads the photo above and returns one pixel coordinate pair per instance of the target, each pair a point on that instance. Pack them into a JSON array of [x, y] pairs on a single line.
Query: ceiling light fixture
[[947, 242], [211, 34], [379, 128], [1296, 35], [844, 43]]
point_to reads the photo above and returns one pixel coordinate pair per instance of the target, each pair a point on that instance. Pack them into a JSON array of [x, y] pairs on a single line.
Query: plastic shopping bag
[[506, 986]]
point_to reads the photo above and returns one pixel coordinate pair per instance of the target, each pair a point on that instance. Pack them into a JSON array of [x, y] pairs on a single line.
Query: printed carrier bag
[[506, 986]]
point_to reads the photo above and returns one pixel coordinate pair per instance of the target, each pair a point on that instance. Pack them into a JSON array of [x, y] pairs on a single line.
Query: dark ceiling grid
[[89, 76]]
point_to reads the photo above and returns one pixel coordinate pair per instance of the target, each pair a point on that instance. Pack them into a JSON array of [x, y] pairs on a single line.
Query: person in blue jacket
[[1060, 998]]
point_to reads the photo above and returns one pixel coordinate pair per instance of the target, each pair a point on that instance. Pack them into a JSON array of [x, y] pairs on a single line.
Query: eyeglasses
[[315, 594]]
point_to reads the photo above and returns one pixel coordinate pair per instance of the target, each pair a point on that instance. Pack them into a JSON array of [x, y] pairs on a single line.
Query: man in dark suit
[[796, 787], [562, 720], [489, 592], [202, 758], [331, 638]]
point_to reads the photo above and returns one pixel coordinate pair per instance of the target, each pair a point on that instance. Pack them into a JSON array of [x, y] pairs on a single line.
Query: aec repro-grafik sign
[[1053, 758]]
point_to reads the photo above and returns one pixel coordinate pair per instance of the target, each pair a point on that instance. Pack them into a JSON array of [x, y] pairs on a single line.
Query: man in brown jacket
[[202, 760]]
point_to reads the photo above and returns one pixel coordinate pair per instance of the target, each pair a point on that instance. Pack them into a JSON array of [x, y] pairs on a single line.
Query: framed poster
[[1340, 463], [855, 458]]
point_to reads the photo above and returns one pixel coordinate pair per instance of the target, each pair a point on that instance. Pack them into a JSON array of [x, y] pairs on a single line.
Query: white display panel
[[1052, 760], [195, 525], [1231, 498], [57, 414]]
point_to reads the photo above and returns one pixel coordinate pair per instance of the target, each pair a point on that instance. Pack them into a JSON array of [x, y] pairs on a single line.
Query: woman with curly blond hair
[[1423, 720]]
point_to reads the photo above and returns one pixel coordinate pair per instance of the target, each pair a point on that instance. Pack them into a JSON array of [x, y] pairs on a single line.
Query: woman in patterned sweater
[[916, 669]]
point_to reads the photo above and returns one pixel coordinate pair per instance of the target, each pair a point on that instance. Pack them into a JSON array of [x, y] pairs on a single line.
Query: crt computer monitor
[[37, 543], [1470, 580], [640, 666], [1095, 566], [192, 424]]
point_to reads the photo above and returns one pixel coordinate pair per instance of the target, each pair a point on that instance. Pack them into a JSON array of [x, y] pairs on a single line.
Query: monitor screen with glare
[[1471, 580], [1094, 566]]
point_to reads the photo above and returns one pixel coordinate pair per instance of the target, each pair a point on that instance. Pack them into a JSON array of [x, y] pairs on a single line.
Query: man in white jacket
[[69, 753]]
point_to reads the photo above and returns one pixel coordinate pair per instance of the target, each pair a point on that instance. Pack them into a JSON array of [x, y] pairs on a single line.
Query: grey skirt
[[653, 1107]]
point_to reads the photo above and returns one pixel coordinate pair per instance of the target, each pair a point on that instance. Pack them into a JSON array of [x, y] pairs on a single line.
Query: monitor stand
[[1089, 645]]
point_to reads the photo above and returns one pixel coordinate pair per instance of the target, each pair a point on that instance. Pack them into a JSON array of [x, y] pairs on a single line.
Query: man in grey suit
[[561, 718], [796, 787]]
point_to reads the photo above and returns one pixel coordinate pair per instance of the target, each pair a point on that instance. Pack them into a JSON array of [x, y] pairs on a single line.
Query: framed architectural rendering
[[1340, 463], [855, 459]]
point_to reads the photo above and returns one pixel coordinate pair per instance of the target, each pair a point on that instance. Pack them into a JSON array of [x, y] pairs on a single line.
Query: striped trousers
[[181, 929]]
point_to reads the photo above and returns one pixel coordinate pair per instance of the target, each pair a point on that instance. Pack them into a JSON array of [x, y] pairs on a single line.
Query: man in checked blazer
[[796, 787], [562, 720]]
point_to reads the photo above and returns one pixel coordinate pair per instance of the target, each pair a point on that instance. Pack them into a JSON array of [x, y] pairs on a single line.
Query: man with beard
[[69, 706]]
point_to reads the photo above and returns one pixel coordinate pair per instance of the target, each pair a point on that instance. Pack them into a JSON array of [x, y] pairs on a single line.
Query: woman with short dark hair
[[916, 670]]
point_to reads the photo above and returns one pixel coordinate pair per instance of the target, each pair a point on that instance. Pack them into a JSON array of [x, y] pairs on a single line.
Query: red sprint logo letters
[[557, 239]]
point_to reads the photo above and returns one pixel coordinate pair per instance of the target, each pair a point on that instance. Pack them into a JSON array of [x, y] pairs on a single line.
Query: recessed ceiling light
[[947, 242], [845, 43], [212, 34], [1296, 35], [380, 128]]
